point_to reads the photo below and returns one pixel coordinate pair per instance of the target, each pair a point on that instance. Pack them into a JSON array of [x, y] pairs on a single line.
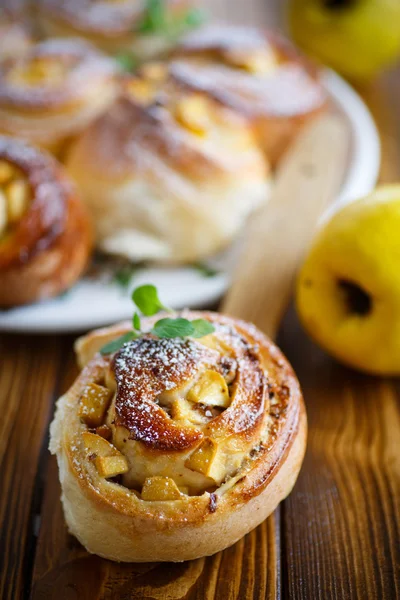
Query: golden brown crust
[[54, 90], [269, 438], [48, 247], [256, 73]]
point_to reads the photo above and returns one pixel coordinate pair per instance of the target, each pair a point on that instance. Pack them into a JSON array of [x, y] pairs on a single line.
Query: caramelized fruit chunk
[[257, 63], [108, 460], [210, 388], [204, 460], [17, 199], [14, 195], [110, 466], [93, 404], [6, 172], [192, 112], [160, 488]]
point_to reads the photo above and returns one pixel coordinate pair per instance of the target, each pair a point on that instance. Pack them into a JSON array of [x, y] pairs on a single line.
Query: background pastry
[[14, 37], [55, 90], [168, 174], [144, 29], [173, 449], [45, 237], [256, 73]]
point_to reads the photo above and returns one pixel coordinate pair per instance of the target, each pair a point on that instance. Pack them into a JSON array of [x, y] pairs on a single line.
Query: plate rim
[[361, 177]]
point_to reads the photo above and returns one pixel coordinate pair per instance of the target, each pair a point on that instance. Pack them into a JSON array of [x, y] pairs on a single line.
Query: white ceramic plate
[[100, 301]]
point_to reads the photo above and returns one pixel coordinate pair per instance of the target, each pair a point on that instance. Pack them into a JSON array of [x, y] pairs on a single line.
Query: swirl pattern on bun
[[256, 73], [54, 90], [168, 173], [169, 443], [45, 236]]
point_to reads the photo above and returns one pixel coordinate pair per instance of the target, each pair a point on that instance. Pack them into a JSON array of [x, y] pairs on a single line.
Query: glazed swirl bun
[[55, 90], [168, 174], [258, 74], [112, 26], [45, 236], [174, 449]]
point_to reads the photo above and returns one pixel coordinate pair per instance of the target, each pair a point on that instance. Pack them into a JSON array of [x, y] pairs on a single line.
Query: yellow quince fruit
[[356, 37], [348, 289]]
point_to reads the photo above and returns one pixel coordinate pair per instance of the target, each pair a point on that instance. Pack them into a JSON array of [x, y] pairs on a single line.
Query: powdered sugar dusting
[[144, 369], [85, 68]]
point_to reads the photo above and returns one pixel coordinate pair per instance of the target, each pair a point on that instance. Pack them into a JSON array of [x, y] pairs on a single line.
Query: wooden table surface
[[335, 537]]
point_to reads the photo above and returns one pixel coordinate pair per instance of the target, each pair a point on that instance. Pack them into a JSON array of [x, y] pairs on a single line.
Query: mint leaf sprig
[[148, 303], [157, 19]]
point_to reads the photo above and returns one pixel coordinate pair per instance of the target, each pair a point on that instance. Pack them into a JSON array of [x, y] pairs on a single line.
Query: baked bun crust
[[112, 26], [258, 74], [174, 449], [168, 174], [45, 235], [14, 38], [53, 91]]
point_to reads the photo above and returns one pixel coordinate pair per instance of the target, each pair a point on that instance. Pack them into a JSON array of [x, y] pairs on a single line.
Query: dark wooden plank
[[341, 524], [28, 375]]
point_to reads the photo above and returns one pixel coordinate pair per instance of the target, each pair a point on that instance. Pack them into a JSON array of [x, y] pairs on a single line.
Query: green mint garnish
[[154, 18], [126, 61], [124, 275], [115, 345], [205, 269], [147, 301], [172, 328], [136, 322], [159, 20], [201, 328], [195, 17]]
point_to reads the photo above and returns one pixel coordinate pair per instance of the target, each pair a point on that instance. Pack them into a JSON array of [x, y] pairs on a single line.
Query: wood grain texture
[[278, 235], [28, 380]]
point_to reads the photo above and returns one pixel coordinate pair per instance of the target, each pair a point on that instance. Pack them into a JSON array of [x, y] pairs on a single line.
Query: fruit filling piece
[[41, 71], [15, 196]]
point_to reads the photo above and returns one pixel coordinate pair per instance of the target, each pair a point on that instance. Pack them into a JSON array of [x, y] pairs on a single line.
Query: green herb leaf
[[173, 328], [195, 17], [136, 322], [146, 299], [126, 61], [124, 275], [202, 328], [115, 345], [154, 18], [205, 269]]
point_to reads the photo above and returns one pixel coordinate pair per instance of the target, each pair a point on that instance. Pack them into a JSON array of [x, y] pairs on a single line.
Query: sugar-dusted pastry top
[[108, 18], [33, 201], [55, 74], [172, 418], [250, 70], [160, 118], [168, 173]]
